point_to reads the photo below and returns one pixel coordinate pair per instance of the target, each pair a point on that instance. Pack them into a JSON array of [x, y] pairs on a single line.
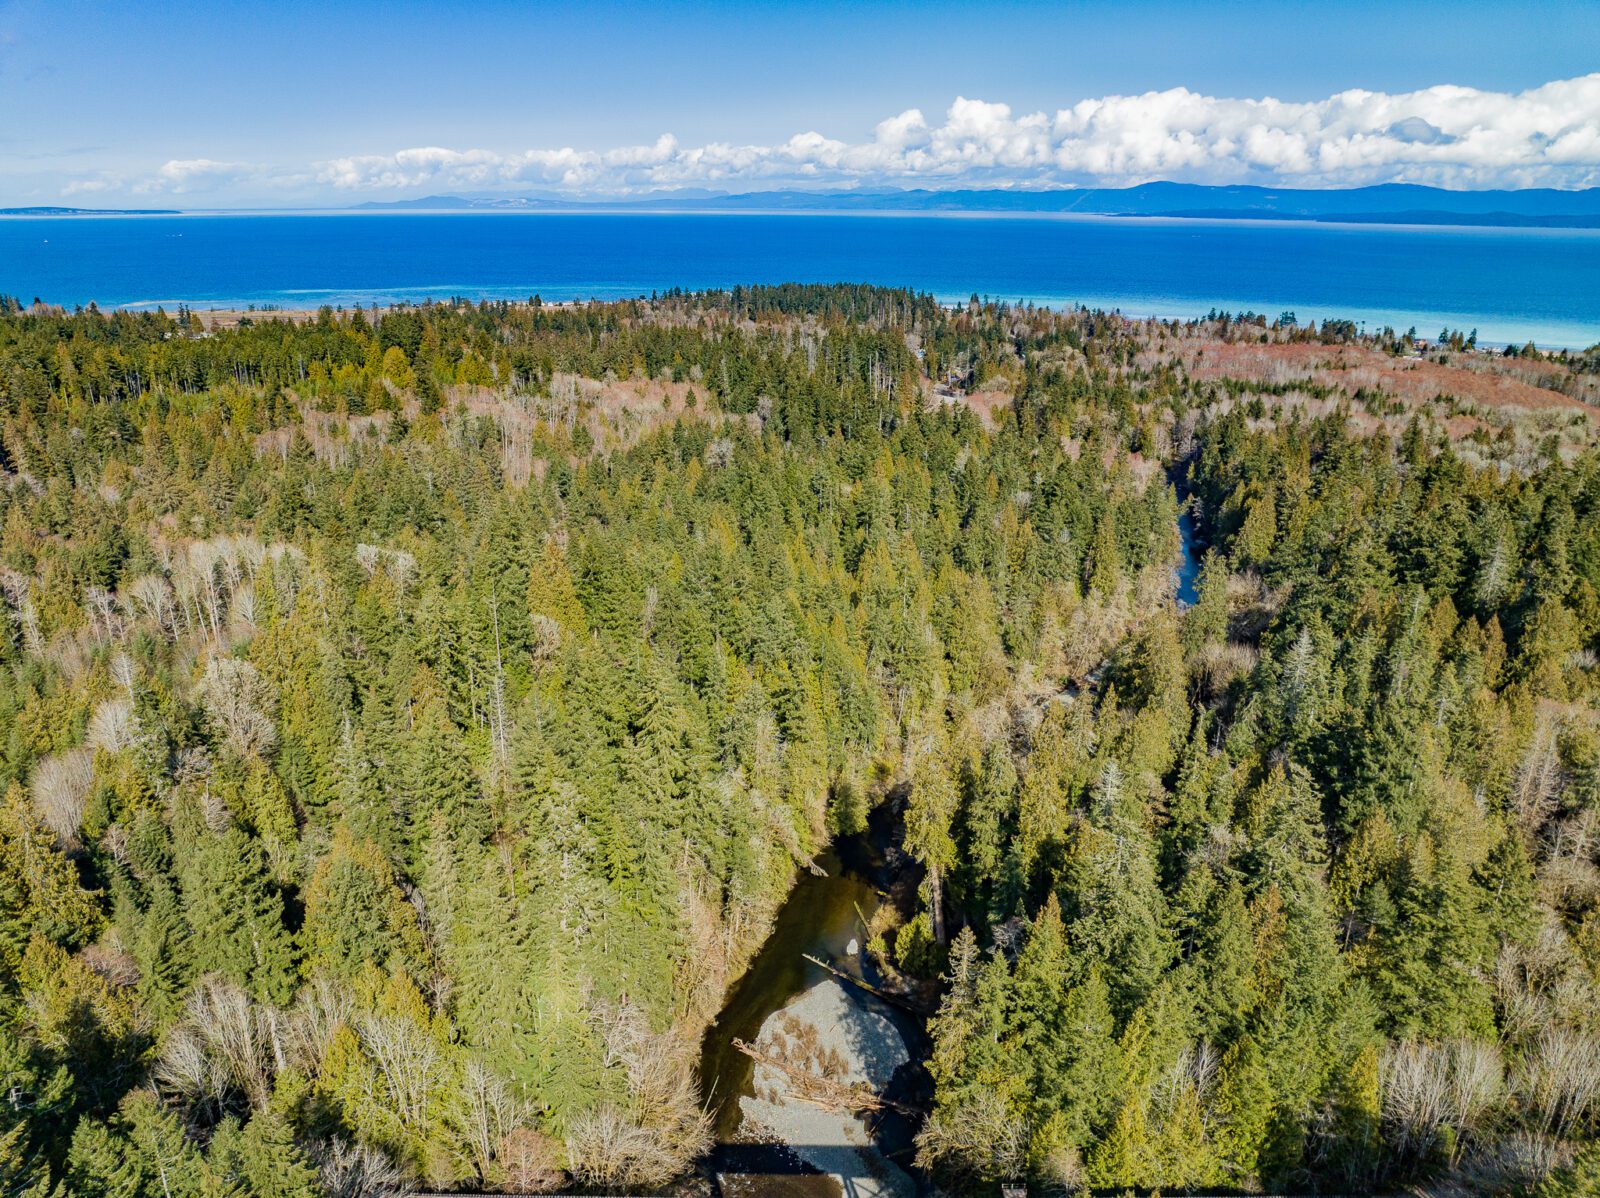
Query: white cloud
[[1448, 135], [196, 174]]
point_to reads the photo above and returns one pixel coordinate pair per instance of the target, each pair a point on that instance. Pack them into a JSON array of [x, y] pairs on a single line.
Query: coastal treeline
[[410, 722]]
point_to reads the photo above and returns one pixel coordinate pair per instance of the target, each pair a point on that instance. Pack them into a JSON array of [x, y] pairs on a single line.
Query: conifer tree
[[262, 1159], [930, 811], [355, 913], [235, 915]]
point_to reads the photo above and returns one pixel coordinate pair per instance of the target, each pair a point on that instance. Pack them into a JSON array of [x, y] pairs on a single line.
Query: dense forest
[[411, 721]]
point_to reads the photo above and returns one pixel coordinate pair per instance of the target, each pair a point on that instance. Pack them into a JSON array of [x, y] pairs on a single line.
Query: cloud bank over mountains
[[1448, 136]]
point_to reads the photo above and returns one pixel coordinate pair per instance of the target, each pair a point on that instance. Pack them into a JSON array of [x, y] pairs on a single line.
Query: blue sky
[[293, 102]]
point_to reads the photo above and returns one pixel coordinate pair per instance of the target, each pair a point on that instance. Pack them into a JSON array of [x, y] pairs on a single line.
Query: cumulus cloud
[[197, 174], [1448, 135], [88, 186]]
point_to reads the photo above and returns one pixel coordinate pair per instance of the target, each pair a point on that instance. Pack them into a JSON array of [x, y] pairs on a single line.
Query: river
[[1188, 568], [822, 916]]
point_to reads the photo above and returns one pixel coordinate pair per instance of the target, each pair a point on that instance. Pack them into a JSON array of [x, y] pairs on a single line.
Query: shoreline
[[231, 310], [1513, 285], [1391, 221]]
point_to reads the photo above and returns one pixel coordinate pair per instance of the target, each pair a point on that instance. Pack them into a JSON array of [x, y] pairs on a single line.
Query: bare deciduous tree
[[1539, 777], [660, 1070], [978, 1139], [149, 597], [545, 637], [321, 1009], [227, 1043], [60, 790], [354, 1170], [17, 590], [608, 1147], [242, 610], [106, 622], [188, 1071], [487, 1115], [1560, 1079], [111, 727], [528, 1162], [410, 1062], [664, 1128], [399, 565], [239, 700], [1428, 1088]]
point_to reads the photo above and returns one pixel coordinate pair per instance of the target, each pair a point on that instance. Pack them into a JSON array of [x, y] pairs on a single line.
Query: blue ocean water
[[1509, 284]]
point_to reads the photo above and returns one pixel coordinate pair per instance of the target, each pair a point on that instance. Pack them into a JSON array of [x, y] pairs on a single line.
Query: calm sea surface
[[1509, 284]]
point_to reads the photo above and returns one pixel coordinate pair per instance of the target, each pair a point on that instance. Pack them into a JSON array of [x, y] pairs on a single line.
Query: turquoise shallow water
[[1509, 284]]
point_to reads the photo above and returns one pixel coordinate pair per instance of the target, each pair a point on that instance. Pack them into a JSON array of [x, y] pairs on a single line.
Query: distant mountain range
[[1388, 203]]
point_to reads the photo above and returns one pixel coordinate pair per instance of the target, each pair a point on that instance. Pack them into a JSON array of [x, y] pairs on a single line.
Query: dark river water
[[821, 916], [1188, 570]]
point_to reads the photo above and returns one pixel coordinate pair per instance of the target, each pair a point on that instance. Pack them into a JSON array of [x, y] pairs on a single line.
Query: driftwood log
[[909, 1005], [821, 1091]]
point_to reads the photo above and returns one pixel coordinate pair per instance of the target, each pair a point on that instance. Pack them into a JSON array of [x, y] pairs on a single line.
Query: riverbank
[[767, 1139], [819, 1053]]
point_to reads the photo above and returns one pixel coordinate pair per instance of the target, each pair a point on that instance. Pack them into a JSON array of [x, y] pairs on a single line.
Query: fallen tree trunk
[[821, 1091], [894, 1000]]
